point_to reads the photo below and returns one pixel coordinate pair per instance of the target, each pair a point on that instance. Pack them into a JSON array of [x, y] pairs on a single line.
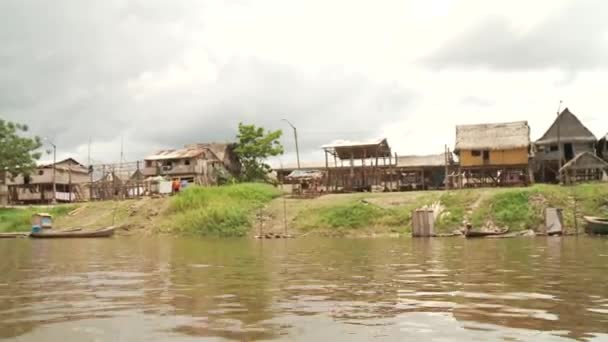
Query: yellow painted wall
[[497, 157]]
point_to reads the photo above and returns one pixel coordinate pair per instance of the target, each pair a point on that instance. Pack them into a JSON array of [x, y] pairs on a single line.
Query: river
[[178, 289]]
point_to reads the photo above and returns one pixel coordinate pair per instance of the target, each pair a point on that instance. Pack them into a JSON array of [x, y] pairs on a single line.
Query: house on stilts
[[566, 138], [494, 154], [602, 148], [359, 166]]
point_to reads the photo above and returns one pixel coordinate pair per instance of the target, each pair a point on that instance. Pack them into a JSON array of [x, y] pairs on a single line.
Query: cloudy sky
[[159, 74]]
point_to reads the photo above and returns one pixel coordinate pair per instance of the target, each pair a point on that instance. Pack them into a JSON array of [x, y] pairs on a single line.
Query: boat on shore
[[596, 225], [13, 235], [481, 234], [100, 233]]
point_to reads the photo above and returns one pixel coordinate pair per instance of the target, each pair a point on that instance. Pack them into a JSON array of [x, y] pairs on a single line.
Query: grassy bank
[[231, 211], [222, 211], [513, 208], [19, 219]]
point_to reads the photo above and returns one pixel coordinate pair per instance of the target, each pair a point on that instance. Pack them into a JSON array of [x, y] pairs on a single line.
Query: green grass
[[19, 219], [218, 211], [456, 204], [357, 214]]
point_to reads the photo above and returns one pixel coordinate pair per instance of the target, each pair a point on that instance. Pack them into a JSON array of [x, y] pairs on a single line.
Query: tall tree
[[17, 153], [254, 146]]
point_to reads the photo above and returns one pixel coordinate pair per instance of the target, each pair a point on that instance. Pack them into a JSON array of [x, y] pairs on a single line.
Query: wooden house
[[565, 139], [584, 167], [202, 164], [494, 154], [421, 172], [68, 175]]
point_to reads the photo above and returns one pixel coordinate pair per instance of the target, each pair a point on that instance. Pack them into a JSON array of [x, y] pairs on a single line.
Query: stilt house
[[69, 177], [565, 139], [202, 164], [494, 154]]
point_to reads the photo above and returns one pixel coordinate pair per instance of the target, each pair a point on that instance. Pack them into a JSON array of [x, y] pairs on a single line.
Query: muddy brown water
[[176, 289]]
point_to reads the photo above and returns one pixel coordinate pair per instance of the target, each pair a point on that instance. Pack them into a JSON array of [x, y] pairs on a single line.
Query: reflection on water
[[147, 289]]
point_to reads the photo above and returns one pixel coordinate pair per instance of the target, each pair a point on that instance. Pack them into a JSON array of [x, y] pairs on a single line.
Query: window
[[553, 148], [476, 153], [486, 155], [148, 163], [40, 172], [187, 162]]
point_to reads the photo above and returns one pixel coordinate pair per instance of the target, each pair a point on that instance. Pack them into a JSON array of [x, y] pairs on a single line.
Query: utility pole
[[559, 144], [70, 180], [54, 200], [295, 135]]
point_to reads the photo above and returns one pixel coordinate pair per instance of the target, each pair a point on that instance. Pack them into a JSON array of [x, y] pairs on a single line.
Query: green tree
[[254, 146], [17, 153]]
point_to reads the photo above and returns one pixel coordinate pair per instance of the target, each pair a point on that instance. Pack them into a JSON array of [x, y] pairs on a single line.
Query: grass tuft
[[19, 219]]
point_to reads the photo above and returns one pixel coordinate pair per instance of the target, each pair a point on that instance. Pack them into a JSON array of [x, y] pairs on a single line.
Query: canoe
[[104, 232], [473, 234], [596, 225], [13, 235]]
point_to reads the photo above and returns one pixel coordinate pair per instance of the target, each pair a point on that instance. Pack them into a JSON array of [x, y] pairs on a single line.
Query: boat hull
[[596, 225], [101, 233]]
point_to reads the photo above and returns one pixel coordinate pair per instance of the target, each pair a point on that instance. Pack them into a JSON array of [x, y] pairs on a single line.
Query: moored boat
[[104, 232], [481, 234], [596, 225]]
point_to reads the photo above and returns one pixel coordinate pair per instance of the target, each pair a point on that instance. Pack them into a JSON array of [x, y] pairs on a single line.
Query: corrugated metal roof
[[420, 161], [305, 174], [351, 143], [176, 154]]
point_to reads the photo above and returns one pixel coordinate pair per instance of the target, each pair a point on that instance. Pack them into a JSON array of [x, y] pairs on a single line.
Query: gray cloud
[[575, 39], [75, 70]]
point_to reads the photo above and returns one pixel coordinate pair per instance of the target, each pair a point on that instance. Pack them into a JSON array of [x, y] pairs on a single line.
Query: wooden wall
[[497, 157]]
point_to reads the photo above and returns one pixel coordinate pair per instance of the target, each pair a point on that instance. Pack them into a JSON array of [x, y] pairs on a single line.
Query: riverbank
[[248, 209]]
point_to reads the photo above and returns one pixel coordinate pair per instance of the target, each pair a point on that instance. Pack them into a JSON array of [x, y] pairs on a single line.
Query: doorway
[[568, 152]]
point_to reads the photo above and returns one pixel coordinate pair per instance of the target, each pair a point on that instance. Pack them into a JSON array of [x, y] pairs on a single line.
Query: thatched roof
[[571, 129], [421, 161], [344, 149], [585, 161], [493, 136]]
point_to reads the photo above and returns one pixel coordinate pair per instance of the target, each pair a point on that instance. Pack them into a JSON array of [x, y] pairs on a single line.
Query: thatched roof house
[[602, 148], [569, 128], [493, 144], [574, 139], [585, 166]]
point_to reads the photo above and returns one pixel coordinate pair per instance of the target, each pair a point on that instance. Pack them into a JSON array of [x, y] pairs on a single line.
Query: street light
[[295, 135], [54, 201]]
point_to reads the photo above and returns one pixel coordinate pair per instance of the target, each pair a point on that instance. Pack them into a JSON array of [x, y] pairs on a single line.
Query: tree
[[17, 154], [253, 147]]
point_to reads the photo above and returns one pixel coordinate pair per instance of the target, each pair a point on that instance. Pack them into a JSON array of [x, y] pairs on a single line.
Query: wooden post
[[327, 171], [447, 170], [390, 171], [352, 170]]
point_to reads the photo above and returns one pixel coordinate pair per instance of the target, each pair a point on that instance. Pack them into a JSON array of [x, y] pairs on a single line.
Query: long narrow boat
[[596, 225], [473, 234], [13, 235], [104, 232]]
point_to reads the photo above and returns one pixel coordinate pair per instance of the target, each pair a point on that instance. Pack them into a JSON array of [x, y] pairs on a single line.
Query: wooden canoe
[[596, 225], [473, 234], [13, 235], [104, 232]]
